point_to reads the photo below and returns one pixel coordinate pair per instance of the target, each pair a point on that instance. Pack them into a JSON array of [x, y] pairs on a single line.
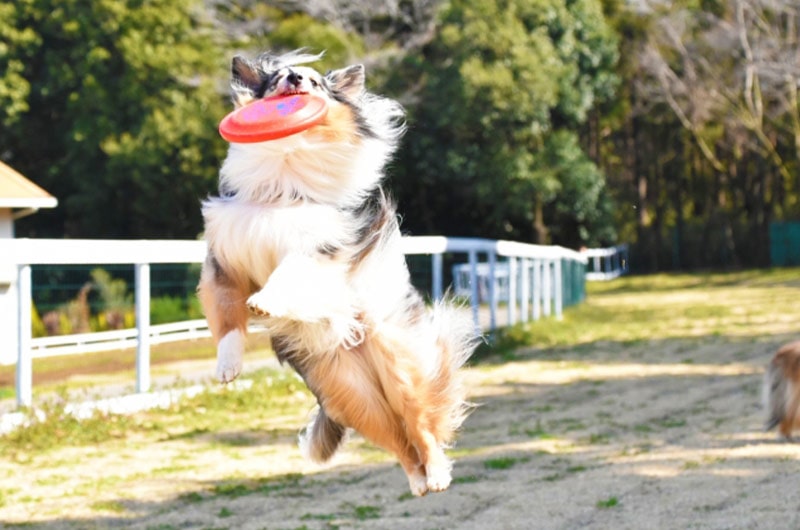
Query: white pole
[[143, 327], [512, 291], [547, 288], [538, 265], [559, 290], [473, 285], [24, 360], [492, 290], [436, 264], [525, 289]]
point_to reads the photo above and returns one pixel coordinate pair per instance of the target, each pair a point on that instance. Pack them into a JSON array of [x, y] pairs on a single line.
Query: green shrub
[[165, 309]]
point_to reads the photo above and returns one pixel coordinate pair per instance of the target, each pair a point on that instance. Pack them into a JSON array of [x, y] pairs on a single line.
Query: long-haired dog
[[303, 236], [782, 390]]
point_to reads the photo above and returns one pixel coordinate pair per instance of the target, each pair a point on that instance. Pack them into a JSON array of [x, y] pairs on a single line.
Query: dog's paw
[[260, 304], [229, 356], [438, 477], [418, 484]]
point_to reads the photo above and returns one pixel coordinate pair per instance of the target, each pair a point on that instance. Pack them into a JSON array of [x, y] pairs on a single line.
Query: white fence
[[606, 263], [535, 275]]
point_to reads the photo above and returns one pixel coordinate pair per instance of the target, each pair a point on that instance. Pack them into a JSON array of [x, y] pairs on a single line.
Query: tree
[[726, 73], [119, 121], [499, 85]]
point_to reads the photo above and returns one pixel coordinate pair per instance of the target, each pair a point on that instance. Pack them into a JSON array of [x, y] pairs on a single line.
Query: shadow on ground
[[657, 434]]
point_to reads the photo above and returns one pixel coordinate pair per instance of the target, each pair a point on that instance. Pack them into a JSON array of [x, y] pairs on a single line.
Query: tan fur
[[375, 390], [782, 389], [337, 127], [222, 298]]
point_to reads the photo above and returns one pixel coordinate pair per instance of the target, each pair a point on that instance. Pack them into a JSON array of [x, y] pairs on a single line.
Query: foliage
[[14, 87], [674, 127], [166, 309], [119, 117], [500, 84], [113, 292], [707, 153]]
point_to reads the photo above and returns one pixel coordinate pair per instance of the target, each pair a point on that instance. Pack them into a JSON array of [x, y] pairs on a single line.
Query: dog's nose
[[294, 78]]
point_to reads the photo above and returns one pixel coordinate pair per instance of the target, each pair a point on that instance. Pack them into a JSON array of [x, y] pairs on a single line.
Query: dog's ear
[[348, 81], [245, 81]]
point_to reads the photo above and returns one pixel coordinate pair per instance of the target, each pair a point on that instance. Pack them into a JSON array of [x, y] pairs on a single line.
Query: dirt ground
[[650, 434]]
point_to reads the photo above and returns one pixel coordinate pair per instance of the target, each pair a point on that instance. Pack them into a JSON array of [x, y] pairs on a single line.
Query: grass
[[608, 503], [689, 305], [193, 418], [505, 462], [84, 372]]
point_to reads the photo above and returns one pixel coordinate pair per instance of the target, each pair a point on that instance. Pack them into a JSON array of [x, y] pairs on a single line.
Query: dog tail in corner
[[321, 438], [782, 388], [774, 396]]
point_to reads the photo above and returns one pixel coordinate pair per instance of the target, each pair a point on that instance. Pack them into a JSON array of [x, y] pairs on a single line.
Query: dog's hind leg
[[352, 396], [222, 298]]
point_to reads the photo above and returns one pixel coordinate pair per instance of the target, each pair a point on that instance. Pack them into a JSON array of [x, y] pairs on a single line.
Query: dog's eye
[[314, 83]]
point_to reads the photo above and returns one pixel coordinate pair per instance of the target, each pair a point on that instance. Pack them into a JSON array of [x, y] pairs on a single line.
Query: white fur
[[303, 167], [418, 484], [255, 238], [229, 356]]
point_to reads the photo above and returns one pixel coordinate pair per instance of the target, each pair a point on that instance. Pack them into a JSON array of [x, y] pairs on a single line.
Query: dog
[[303, 236], [782, 390]]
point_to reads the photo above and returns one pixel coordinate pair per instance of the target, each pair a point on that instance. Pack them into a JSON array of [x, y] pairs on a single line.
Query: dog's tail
[[457, 338], [323, 436]]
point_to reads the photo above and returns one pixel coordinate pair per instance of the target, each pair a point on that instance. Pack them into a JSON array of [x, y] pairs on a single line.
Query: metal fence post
[[525, 289], [547, 288], [24, 358], [512, 291], [473, 285], [436, 276], [559, 288], [537, 288], [492, 257], [142, 273]]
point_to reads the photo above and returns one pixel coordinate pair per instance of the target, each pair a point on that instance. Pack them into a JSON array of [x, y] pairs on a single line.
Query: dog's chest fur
[[252, 239]]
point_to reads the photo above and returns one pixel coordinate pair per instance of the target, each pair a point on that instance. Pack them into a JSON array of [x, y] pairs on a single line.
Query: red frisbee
[[273, 118]]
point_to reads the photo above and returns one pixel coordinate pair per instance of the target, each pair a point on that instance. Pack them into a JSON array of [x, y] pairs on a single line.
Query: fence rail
[[544, 280], [606, 263]]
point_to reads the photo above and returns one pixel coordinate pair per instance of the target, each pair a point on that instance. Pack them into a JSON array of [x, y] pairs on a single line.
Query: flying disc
[[273, 118]]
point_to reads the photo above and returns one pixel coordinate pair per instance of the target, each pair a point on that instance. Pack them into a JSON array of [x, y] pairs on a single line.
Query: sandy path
[[665, 434]]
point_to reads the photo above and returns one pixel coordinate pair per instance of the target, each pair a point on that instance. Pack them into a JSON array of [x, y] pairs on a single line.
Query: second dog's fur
[[303, 236], [782, 390]]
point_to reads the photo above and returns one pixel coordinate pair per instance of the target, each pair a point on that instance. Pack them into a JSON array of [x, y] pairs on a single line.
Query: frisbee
[[273, 118]]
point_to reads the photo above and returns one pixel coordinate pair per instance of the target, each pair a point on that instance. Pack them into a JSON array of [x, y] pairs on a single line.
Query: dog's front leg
[[306, 289], [221, 296]]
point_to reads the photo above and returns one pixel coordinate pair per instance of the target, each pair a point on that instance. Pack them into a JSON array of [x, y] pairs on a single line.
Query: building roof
[[18, 192]]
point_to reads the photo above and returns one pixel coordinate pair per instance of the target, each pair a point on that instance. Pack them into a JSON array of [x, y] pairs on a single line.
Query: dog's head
[[337, 160], [278, 75]]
